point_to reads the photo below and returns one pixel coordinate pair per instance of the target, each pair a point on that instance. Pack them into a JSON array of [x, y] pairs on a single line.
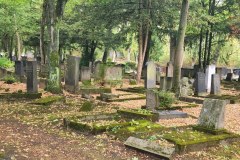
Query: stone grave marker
[[229, 77], [85, 74], [185, 87], [211, 69], [151, 99], [212, 115], [199, 84], [19, 68], [169, 83], [163, 83], [215, 86], [168, 114], [72, 74], [113, 73], [150, 80], [31, 72], [158, 75], [169, 69], [97, 69]]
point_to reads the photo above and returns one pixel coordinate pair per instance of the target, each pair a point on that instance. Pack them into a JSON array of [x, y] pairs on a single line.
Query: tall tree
[[178, 60], [54, 12]]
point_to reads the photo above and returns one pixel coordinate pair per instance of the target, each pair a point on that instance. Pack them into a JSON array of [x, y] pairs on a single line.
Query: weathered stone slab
[[150, 81], [72, 74], [213, 114], [162, 83], [151, 99], [113, 73], [169, 83], [170, 114], [169, 69], [32, 82], [85, 74], [200, 85], [19, 68], [151, 147], [215, 86]]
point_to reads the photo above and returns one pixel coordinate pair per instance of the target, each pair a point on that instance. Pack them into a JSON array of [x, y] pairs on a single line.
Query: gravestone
[[150, 80], [85, 74], [169, 69], [187, 72], [199, 84], [215, 86], [169, 83], [31, 72], [170, 114], [222, 71], [229, 77], [151, 99], [19, 69], [97, 69], [212, 115], [113, 73], [185, 87], [72, 74], [162, 83], [211, 69], [158, 75]]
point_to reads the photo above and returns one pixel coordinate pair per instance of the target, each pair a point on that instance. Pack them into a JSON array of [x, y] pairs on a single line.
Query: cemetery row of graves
[[147, 120]]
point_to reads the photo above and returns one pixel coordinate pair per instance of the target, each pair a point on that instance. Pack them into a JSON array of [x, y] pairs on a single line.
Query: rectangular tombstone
[[19, 68], [169, 83], [113, 73], [85, 74], [215, 86], [229, 77], [158, 75], [31, 72], [150, 80], [211, 69], [169, 69], [162, 83], [72, 74], [222, 71], [199, 84], [212, 115], [187, 72], [151, 99], [98, 65]]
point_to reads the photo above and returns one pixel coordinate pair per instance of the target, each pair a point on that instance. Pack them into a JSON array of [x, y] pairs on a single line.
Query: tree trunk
[[54, 12], [200, 49], [178, 60], [105, 56], [172, 47]]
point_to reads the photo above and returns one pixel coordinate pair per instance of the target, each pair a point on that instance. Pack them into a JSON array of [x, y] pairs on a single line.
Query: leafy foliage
[[6, 63]]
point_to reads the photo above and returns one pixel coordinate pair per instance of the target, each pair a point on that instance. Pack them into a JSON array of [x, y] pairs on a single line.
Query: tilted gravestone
[[31, 72], [150, 80], [215, 86], [212, 115], [211, 69], [72, 74], [19, 68], [85, 74], [199, 84], [169, 69]]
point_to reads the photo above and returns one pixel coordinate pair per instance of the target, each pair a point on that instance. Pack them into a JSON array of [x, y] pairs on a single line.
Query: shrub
[[166, 99], [6, 63], [9, 79]]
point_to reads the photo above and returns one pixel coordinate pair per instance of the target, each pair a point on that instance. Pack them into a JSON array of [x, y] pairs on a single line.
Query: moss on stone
[[86, 83], [94, 90], [21, 95], [48, 100], [87, 106]]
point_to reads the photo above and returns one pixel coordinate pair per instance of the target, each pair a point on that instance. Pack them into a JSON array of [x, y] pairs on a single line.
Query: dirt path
[[21, 142]]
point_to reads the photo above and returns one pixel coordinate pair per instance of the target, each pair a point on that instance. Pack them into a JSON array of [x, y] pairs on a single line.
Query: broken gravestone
[[213, 114]]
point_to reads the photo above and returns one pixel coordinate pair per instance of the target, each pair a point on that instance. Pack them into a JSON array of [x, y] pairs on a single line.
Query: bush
[[166, 99], [6, 63], [130, 65], [9, 79]]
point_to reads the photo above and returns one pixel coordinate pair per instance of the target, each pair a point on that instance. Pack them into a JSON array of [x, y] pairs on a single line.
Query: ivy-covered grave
[[162, 102], [167, 142]]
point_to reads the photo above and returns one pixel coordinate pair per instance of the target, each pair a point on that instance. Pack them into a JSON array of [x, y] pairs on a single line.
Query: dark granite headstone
[[19, 69], [31, 72], [229, 77], [215, 86], [199, 84], [72, 74], [150, 80]]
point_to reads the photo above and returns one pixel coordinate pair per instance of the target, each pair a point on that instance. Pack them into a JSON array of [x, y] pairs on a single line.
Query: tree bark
[[178, 60], [200, 49], [105, 55], [172, 47]]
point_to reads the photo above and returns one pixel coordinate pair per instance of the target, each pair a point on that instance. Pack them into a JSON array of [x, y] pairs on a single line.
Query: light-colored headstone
[[212, 115], [151, 99], [169, 69], [211, 69], [215, 85], [150, 80]]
